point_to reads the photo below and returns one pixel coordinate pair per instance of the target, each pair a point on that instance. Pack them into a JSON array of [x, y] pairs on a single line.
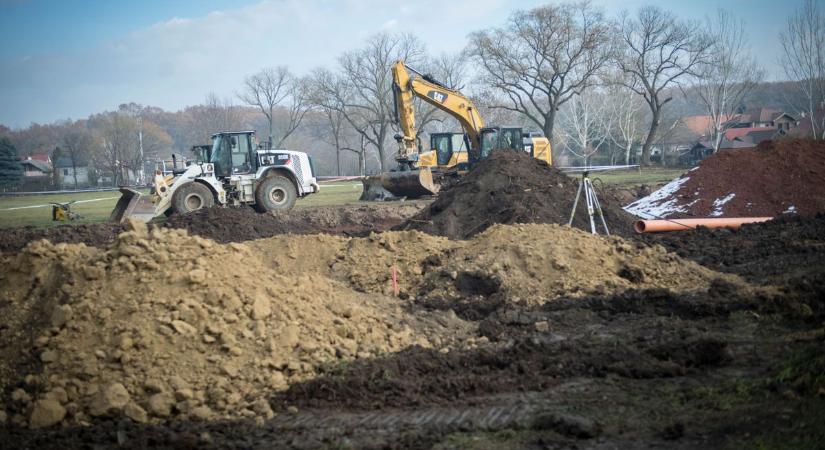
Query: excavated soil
[[233, 224], [787, 248], [166, 325], [510, 188], [777, 177], [522, 336]]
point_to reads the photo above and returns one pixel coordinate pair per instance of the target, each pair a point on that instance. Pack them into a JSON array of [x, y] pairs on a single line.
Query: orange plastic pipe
[[653, 226]]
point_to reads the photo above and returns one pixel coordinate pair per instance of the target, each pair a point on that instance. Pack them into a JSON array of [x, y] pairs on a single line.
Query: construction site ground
[[340, 327]]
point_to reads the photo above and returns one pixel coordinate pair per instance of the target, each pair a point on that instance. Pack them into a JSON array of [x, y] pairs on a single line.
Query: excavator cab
[[499, 138], [447, 147]]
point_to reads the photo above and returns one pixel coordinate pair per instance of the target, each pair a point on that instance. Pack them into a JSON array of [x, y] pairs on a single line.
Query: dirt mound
[[96, 235], [233, 225], [164, 325], [536, 263], [510, 188], [772, 252], [532, 263], [775, 178]]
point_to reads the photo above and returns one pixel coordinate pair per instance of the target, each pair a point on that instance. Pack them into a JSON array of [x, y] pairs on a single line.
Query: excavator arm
[[452, 102]]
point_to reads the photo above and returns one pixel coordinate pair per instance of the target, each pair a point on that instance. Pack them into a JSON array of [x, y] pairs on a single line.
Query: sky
[[67, 59]]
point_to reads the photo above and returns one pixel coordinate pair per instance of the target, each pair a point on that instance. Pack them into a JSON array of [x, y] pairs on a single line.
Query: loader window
[[221, 157], [240, 146]]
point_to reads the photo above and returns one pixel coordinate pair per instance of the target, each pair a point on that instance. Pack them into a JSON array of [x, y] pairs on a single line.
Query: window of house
[[65, 171]]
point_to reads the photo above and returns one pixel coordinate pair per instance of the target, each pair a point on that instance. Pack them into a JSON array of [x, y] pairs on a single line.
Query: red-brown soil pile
[[777, 177], [511, 188]]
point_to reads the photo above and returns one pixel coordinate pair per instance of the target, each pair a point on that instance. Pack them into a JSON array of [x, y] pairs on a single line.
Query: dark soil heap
[[228, 224], [509, 188], [783, 176], [238, 224], [783, 250]]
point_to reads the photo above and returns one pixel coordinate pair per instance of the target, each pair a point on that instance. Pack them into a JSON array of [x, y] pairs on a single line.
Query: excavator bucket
[[129, 205], [395, 185]]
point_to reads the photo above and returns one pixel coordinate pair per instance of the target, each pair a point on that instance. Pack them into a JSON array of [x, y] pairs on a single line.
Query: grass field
[[633, 177], [35, 210]]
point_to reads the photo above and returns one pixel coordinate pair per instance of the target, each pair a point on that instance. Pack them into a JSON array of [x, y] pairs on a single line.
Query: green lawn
[[36, 210], [634, 177]]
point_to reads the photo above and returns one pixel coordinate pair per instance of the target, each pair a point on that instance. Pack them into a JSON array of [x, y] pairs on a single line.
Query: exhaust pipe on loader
[[395, 185]]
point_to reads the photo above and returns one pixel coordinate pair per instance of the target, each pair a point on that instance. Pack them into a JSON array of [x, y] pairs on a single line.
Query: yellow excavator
[[452, 154]]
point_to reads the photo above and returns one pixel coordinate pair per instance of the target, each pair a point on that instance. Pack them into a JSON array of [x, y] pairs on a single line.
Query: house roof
[[37, 157], [724, 145], [37, 164], [756, 137], [701, 125], [734, 133], [761, 115], [66, 162]]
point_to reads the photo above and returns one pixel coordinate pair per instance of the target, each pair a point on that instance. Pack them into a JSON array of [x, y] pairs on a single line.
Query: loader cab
[[499, 138], [233, 153]]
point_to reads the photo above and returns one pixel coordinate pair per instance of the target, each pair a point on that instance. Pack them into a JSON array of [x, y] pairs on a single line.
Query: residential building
[[72, 176], [37, 174]]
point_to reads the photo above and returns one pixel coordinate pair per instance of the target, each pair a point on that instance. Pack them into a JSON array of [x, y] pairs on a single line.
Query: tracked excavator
[[451, 155], [234, 170]]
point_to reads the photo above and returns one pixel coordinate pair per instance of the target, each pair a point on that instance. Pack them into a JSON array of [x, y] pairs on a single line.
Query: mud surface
[[508, 188], [233, 224], [777, 177], [525, 336], [772, 252]]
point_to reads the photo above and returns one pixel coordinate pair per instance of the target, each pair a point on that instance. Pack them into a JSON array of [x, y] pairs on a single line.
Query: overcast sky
[[69, 58]]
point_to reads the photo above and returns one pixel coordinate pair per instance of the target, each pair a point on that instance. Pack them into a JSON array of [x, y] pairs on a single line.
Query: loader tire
[[192, 197], [275, 193]]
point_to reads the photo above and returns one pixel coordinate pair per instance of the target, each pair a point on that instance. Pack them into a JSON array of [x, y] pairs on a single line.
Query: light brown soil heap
[[777, 177], [168, 325], [537, 263], [163, 325], [530, 263], [511, 187]]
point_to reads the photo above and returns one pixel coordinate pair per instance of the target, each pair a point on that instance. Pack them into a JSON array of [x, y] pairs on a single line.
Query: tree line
[[596, 85]]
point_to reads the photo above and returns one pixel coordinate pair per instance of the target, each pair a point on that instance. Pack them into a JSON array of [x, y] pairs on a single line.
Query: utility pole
[[140, 175]]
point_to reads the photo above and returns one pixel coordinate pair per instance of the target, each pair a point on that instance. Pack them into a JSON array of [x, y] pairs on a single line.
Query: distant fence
[[74, 191]]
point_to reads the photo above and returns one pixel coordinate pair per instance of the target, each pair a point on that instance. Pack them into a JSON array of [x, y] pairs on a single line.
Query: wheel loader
[[234, 171], [452, 154]]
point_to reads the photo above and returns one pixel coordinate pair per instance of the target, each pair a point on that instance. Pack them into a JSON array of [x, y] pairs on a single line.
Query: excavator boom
[[412, 181]]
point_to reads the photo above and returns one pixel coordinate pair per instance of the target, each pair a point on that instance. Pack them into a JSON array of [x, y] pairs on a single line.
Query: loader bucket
[[126, 205], [396, 185]]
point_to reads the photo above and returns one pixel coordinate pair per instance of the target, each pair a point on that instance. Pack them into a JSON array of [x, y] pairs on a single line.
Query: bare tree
[[217, 114], [119, 144], [586, 123], [277, 87], [77, 144], [544, 57], [729, 76], [658, 52], [628, 119], [362, 91], [803, 59], [451, 71]]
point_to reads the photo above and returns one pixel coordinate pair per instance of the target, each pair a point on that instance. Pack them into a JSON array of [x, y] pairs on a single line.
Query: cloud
[[174, 63]]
